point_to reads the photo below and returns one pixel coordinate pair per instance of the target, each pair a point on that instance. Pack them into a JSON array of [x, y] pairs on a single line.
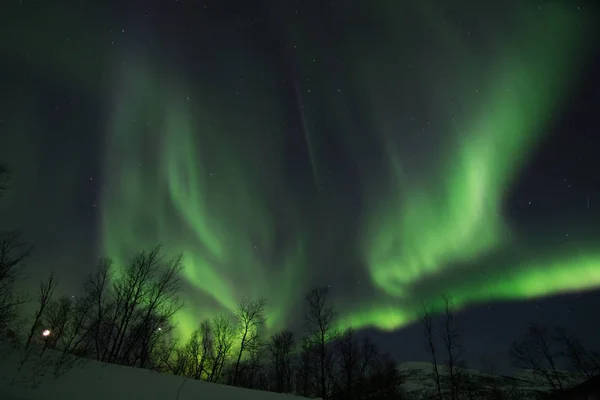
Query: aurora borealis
[[371, 147]]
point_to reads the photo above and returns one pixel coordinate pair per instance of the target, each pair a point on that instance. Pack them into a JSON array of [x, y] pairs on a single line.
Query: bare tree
[[306, 368], [80, 326], [354, 359], [319, 320], [178, 361], [581, 360], [68, 321], [535, 352], [56, 318], [195, 358], [130, 291], [207, 341], [427, 322], [161, 303], [200, 349], [193, 349], [280, 353], [164, 354], [385, 381], [137, 314], [252, 366], [224, 333], [12, 254], [250, 315], [348, 357], [453, 350], [96, 289], [46, 292]]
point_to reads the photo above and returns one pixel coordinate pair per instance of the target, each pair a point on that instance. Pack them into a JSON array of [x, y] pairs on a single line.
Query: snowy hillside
[[418, 377], [39, 378], [94, 380]]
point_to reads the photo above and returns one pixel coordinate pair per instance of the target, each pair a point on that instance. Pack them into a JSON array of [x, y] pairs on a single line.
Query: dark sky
[[396, 151]]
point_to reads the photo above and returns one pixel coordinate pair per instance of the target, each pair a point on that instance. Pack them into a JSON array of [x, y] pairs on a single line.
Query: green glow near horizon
[[180, 182]]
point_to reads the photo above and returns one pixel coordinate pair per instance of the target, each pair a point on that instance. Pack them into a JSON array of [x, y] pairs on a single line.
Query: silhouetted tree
[[319, 320], [306, 369], [192, 360], [46, 291], [178, 361], [144, 298], [224, 334], [385, 382], [161, 303], [129, 292], [280, 355], [207, 342], [96, 289], [453, 350], [250, 316], [194, 351], [427, 323], [251, 368], [56, 319], [581, 360], [75, 338], [534, 351], [355, 359], [12, 254]]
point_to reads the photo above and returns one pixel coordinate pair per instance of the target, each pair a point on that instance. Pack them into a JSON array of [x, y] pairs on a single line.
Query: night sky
[[394, 150]]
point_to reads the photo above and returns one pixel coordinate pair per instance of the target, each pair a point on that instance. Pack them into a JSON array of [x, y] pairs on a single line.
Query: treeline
[[555, 359], [126, 315]]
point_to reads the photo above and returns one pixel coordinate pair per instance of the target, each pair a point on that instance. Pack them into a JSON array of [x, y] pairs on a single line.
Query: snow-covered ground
[[418, 377], [39, 378], [93, 380]]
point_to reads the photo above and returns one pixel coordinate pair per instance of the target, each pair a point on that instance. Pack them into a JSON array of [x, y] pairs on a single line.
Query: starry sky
[[394, 151]]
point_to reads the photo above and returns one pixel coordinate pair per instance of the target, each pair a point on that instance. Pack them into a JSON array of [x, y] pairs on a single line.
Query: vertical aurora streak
[[181, 181], [427, 233]]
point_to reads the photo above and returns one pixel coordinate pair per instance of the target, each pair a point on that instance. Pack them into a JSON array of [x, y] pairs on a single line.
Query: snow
[[95, 380], [88, 379], [418, 377]]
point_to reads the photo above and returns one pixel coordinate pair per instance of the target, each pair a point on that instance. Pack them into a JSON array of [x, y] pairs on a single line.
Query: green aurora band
[[185, 171], [200, 192], [454, 219], [185, 185]]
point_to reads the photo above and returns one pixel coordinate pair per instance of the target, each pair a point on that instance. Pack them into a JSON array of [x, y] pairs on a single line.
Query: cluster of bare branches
[[556, 358], [449, 379], [549, 354], [124, 316], [324, 363], [13, 253]]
